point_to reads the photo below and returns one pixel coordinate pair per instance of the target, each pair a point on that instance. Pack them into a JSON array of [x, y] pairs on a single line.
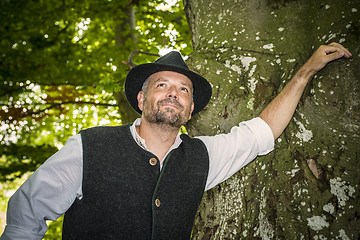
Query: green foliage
[[63, 66], [18, 159], [61, 62], [54, 229]]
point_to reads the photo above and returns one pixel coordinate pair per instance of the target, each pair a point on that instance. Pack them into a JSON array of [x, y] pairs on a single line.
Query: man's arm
[[280, 111], [46, 195], [228, 153]]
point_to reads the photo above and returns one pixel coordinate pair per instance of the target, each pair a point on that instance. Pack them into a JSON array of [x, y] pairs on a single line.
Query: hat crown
[[172, 58]]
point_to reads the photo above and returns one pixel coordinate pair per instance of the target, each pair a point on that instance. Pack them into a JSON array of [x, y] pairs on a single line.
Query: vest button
[[157, 202], [153, 161]]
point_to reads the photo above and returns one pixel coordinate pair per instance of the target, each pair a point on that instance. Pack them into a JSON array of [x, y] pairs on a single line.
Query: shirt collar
[[141, 142]]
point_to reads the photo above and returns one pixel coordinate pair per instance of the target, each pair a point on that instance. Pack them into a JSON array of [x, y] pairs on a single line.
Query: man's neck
[[158, 137]]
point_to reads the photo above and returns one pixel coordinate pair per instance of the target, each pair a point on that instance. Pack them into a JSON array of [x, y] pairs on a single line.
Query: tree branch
[[130, 62], [61, 103]]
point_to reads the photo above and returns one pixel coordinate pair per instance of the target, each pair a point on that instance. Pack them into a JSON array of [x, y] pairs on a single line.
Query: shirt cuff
[[262, 133]]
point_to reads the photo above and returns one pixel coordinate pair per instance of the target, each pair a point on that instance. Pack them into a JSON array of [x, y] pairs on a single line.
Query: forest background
[[63, 65]]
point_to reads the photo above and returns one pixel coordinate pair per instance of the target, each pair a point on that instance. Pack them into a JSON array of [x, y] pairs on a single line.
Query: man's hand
[[280, 111], [323, 55]]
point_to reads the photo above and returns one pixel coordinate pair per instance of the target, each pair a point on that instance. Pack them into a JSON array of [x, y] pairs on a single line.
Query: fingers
[[334, 51], [333, 56], [325, 54], [341, 50]]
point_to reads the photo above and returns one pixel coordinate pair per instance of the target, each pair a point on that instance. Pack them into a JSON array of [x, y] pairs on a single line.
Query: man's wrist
[[304, 74]]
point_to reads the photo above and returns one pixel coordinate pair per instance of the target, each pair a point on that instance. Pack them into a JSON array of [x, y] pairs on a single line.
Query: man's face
[[168, 99]]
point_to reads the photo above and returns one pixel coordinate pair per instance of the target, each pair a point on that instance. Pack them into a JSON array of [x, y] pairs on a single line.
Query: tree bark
[[124, 33], [308, 187]]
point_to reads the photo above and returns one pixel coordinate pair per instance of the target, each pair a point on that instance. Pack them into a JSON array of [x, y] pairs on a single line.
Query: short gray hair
[[145, 85]]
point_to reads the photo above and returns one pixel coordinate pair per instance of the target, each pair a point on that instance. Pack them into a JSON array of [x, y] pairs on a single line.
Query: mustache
[[172, 101]]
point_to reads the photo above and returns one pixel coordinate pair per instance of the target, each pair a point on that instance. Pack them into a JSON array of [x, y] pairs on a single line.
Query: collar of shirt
[[141, 142]]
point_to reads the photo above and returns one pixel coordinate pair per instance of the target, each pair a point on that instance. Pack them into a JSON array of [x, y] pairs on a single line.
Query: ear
[[140, 98], [192, 109]]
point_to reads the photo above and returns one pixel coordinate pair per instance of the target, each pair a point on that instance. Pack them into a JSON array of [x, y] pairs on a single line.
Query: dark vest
[[126, 196]]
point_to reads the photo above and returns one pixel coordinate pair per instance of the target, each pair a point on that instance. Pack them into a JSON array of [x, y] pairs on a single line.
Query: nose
[[172, 93]]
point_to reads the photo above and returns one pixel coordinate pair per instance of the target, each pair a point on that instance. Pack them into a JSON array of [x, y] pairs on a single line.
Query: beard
[[167, 117]]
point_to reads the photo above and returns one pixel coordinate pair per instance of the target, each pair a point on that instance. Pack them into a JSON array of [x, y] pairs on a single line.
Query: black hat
[[174, 62]]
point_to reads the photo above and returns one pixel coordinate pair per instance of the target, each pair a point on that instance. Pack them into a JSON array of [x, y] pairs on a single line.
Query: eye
[[161, 85], [185, 89]]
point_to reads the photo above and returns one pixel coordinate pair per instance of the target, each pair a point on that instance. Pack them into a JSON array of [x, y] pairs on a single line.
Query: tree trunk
[[308, 187], [124, 33]]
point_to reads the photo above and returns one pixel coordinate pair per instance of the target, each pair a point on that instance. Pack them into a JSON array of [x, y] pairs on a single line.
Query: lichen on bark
[[307, 188]]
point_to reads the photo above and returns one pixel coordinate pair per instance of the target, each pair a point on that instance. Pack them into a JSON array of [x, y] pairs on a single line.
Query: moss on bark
[[307, 188]]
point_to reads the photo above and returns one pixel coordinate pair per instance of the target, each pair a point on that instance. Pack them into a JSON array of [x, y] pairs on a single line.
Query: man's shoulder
[[105, 128], [105, 131], [191, 140]]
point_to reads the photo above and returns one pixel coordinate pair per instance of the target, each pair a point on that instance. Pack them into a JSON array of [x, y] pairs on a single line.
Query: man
[[144, 181]]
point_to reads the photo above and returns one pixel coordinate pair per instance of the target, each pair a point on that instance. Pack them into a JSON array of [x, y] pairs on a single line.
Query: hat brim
[[137, 76]]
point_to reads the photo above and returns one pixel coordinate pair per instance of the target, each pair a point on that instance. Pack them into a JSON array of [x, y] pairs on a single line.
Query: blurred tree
[[308, 187], [63, 66]]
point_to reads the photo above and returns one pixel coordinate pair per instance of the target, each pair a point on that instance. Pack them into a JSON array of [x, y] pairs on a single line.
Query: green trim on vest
[[120, 187]]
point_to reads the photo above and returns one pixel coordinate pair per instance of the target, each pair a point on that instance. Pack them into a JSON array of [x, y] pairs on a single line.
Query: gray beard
[[165, 118]]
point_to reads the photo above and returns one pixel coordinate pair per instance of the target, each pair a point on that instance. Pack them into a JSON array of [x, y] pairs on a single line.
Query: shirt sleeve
[[46, 194], [230, 152]]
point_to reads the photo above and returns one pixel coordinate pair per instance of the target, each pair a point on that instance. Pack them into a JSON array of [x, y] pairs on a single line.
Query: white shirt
[[54, 186]]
